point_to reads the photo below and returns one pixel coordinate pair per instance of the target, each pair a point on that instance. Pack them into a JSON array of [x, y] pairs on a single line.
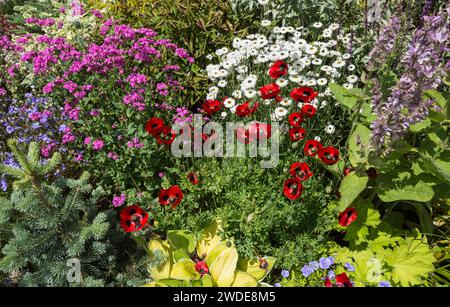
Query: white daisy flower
[[229, 103], [281, 112], [330, 129], [222, 83], [310, 49], [286, 102], [266, 23], [249, 82], [316, 61], [317, 138], [223, 114], [351, 67], [322, 81], [346, 56], [339, 63], [263, 2], [317, 25], [352, 79], [282, 82], [209, 57], [250, 94], [211, 96], [311, 82], [324, 52], [237, 94], [348, 86], [214, 89], [295, 78]]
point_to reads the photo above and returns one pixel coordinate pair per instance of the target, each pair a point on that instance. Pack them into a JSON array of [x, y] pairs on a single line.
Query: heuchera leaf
[[411, 261]]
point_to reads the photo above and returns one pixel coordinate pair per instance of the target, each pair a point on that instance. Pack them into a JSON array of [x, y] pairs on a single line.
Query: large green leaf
[[180, 239], [254, 268], [411, 261], [438, 167], [396, 186], [352, 185], [345, 97], [358, 231]]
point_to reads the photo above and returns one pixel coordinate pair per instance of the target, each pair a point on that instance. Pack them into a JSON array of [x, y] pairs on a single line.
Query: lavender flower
[[385, 44], [423, 70], [349, 267], [3, 183], [384, 284]]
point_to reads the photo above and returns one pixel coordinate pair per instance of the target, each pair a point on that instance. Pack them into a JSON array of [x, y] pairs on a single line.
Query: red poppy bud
[[192, 177]]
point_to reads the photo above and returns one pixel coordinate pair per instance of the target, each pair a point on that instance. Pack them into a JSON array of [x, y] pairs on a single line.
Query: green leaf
[[345, 97], [437, 167], [359, 145], [358, 231], [411, 261], [396, 186], [352, 185], [180, 239], [253, 267], [243, 279], [420, 126]]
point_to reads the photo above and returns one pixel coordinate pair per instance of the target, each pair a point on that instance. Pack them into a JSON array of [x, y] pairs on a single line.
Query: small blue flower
[[349, 267], [314, 265], [384, 284], [325, 263], [9, 129], [331, 275], [307, 270], [62, 128], [277, 285], [3, 183], [285, 273]]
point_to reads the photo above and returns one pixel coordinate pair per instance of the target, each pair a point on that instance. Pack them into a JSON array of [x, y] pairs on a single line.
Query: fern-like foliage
[[50, 221]]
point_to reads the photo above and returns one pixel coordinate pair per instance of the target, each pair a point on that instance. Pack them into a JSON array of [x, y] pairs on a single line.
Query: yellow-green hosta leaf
[[243, 279], [222, 269], [207, 281], [163, 270], [352, 185], [411, 261], [253, 267], [184, 270], [210, 239], [215, 252]]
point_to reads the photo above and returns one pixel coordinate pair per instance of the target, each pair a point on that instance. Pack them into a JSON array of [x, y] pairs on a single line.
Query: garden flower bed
[[246, 143]]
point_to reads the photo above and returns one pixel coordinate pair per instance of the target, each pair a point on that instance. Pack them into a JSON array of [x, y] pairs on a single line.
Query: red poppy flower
[[278, 69], [312, 147], [308, 110], [270, 91], [297, 134], [329, 155], [133, 219], [154, 126], [295, 119], [304, 94], [301, 171], [193, 178], [347, 217], [342, 280], [201, 267], [293, 188], [211, 106], [328, 283], [244, 109], [166, 136], [171, 196]]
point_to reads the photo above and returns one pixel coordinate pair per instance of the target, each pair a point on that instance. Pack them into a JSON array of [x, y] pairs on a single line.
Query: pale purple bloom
[[349, 267], [326, 263], [307, 270], [285, 273], [384, 284]]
